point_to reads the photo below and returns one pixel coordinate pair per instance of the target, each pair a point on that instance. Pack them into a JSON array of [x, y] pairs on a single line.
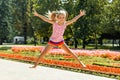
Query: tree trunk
[[96, 41], [76, 43], [113, 43], [25, 34], [119, 43], [84, 43], [101, 41], [1, 41]]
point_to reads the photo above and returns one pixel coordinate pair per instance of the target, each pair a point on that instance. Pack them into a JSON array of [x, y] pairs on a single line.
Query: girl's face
[[61, 17]]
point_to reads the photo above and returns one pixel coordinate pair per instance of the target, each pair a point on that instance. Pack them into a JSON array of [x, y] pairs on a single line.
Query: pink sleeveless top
[[58, 32]]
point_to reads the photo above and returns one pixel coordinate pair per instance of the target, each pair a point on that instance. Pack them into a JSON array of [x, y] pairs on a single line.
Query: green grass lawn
[[92, 46]]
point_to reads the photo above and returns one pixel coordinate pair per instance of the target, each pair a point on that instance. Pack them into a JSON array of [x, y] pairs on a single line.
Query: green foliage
[[20, 15], [101, 17], [5, 18], [111, 19]]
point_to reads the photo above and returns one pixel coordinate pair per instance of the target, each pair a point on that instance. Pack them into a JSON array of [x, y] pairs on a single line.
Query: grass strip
[[103, 64]]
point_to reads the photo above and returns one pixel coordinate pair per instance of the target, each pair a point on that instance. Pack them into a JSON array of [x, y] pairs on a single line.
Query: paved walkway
[[11, 70]]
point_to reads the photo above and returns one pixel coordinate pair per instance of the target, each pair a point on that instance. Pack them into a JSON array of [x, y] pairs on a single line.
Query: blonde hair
[[63, 12], [52, 15]]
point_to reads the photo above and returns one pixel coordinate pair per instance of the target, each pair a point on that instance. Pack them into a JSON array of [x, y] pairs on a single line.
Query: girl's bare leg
[[65, 48], [46, 50]]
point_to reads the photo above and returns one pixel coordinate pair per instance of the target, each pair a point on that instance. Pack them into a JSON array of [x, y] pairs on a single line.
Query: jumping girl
[[58, 20]]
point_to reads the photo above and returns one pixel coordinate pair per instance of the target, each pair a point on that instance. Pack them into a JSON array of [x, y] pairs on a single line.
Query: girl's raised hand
[[82, 12], [35, 13]]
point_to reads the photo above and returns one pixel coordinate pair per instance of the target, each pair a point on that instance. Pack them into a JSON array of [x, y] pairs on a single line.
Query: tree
[[112, 20], [21, 17], [96, 14], [89, 27], [81, 28], [5, 19]]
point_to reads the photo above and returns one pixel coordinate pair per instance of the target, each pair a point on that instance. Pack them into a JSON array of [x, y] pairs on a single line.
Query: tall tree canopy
[[102, 16], [5, 19]]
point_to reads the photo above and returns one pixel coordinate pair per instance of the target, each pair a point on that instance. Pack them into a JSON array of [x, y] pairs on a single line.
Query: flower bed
[[100, 53], [63, 63], [93, 68], [17, 49]]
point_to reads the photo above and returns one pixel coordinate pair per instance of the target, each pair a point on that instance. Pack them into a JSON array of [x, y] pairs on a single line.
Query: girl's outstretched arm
[[82, 12], [43, 17]]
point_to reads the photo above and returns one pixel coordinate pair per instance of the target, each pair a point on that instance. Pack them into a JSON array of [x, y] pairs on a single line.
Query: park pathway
[[12, 70]]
